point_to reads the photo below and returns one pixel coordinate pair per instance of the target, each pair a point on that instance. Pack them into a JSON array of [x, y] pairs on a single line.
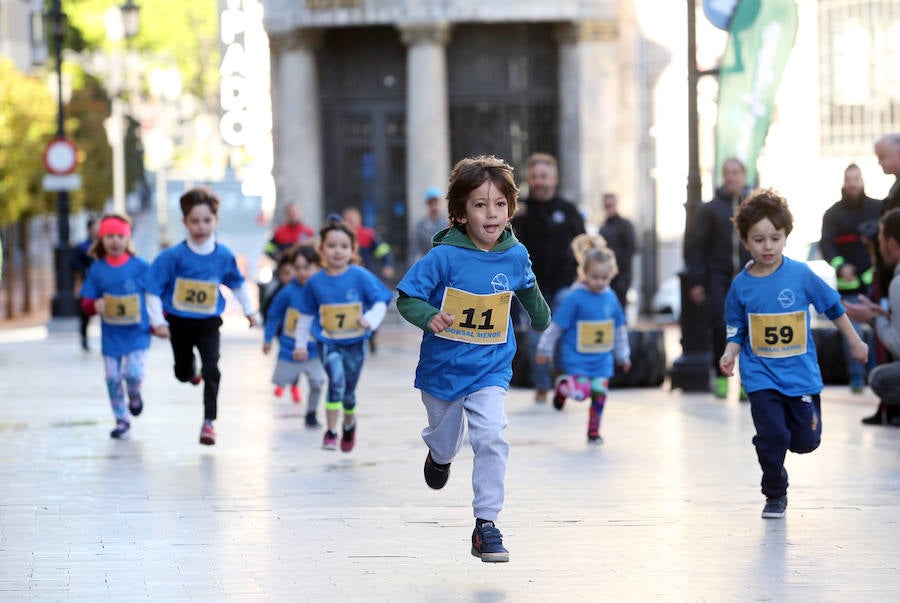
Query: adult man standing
[[885, 378], [291, 232], [888, 151], [842, 247], [619, 235], [715, 256], [546, 226], [429, 224]]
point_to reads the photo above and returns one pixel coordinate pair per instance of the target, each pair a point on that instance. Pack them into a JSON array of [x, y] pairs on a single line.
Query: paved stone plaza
[[667, 509]]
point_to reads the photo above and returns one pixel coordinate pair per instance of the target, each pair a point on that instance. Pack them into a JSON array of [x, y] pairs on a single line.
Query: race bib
[[290, 322], [595, 336], [479, 319], [339, 320], [121, 309], [199, 297], [778, 335]]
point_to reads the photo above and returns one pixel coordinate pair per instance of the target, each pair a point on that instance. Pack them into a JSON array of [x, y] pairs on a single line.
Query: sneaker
[[329, 440], [311, 421], [594, 427], [775, 507], [487, 544], [135, 405], [559, 401], [295, 394], [436, 475], [540, 396], [279, 391], [721, 387], [348, 438], [121, 430], [197, 378], [207, 434]]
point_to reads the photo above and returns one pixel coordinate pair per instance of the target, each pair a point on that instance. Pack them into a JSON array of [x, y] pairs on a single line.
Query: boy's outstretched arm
[[536, 306], [858, 348], [416, 311]]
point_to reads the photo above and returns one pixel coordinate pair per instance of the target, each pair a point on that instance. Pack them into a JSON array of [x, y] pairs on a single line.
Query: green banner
[[760, 38]]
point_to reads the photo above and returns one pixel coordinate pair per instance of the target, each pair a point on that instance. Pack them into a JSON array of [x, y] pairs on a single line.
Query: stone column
[[427, 115], [296, 124], [588, 111]]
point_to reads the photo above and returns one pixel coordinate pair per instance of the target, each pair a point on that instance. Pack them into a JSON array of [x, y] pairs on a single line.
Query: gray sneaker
[[775, 507]]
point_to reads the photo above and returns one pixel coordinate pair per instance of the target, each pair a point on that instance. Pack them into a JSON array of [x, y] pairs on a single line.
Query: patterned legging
[[130, 369]]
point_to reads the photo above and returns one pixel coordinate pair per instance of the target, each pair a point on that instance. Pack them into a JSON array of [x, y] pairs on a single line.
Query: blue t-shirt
[[768, 317], [335, 303], [125, 324], [451, 368], [589, 321], [188, 283], [284, 310]]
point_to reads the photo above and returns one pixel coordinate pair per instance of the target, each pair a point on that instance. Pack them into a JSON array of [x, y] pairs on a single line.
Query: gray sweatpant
[[483, 410], [885, 382]]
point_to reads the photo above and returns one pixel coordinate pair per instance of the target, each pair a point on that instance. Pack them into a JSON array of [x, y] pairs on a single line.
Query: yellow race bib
[[778, 335], [339, 320], [479, 319], [595, 336], [199, 297], [121, 309], [291, 316]]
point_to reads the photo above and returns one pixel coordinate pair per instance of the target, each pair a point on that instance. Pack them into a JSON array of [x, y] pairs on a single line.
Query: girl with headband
[[114, 289]]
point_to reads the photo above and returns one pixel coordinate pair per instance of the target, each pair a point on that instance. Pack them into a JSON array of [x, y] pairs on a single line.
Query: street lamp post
[[691, 371], [121, 24], [64, 303]]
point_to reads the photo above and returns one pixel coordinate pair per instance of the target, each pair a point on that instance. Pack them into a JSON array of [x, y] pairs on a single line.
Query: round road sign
[[61, 156]]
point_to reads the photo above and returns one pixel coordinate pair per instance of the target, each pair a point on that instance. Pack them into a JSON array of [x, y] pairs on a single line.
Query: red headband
[[114, 226]]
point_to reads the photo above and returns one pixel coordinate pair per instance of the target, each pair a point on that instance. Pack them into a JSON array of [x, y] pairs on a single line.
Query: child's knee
[[803, 443]]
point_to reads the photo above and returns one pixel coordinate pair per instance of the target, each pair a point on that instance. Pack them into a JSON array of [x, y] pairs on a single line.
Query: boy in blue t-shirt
[[185, 303], [767, 322], [283, 314], [459, 294]]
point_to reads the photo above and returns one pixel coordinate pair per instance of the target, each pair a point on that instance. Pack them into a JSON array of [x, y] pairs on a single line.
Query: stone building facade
[[375, 100]]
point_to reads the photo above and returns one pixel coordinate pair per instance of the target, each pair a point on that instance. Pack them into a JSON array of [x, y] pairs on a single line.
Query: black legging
[[187, 333]]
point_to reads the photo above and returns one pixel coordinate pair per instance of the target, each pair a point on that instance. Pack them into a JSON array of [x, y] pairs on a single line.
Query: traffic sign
[[61, 156], [61, 182]]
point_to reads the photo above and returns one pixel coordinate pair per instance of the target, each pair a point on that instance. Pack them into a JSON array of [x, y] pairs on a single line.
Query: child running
[[114, 289], [767, 322], [341, 306], [185, 303], [592, 324], [459, 294], [282, 318], [284, 275]]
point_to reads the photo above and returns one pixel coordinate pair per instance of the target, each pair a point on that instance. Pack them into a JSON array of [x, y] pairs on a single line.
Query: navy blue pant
[[783, 423]]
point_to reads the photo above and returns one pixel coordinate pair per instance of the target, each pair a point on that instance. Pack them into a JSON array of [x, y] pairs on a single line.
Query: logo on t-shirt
[[500, 283], [786, 298]]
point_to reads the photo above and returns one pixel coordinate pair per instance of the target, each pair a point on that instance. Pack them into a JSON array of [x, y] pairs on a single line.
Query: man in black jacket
[[620, 237], [888, 151], [546, 225], [715, 256], [842, 247]]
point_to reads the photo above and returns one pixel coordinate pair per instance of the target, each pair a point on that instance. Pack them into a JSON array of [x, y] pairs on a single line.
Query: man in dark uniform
[[715, 256], [842, 247], [619, 235], [546, 226]]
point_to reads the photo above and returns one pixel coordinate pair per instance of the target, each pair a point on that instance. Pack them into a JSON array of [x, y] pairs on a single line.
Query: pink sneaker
[[207, 434], [295, 394], [279, 391], [329, 441]]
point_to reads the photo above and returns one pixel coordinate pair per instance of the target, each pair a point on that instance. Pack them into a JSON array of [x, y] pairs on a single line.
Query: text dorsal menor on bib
[[595, 336], [199, 297], [121, 309], [340, 321], [778, 335], [479, 319]]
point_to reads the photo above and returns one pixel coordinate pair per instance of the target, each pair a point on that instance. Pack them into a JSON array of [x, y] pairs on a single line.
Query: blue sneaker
[[121, 430], [775, 507], [487, 544]]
